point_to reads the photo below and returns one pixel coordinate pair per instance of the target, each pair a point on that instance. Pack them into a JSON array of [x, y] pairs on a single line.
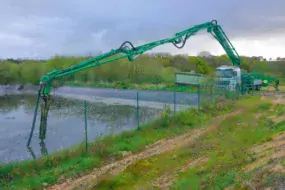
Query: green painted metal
[[249, 78], [45, 106], [128, 50], [222, 38]]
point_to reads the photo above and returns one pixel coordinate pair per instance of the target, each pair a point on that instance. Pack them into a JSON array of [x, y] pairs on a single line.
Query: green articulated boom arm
[[128, 50]]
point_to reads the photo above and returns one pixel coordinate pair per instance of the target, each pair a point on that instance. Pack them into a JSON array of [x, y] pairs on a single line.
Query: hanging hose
[[127, 42], [183, 41], [35, 116]]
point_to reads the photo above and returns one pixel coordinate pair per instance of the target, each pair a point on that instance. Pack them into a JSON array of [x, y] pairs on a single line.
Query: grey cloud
[[45, 28]]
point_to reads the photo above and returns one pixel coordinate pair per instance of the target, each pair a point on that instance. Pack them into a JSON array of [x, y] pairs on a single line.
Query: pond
[[108, 111], [65, 126]]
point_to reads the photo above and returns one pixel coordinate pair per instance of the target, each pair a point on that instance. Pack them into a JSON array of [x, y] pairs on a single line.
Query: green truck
[[230, 78], [128, 50]]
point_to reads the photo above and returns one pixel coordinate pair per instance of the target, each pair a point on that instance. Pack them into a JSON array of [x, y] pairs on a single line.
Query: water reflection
[[44, 150], [65, 126], [63, 107], [9, 103]]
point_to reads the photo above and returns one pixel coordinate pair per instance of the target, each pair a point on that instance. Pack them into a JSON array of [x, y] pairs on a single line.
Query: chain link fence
[[213, 92], [87, 114], [84, 116]]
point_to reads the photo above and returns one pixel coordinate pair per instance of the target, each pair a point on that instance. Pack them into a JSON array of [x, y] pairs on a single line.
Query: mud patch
[[164, 145], [167, 179]]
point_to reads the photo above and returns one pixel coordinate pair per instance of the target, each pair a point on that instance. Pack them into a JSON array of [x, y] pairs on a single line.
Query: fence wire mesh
[[211, 92], [86, 115], [108, 111]]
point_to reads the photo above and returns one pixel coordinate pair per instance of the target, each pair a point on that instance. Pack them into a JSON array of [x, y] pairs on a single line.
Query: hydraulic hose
[[35, 116]]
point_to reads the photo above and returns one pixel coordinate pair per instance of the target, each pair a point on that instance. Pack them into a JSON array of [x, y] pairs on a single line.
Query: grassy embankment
[[75, 161], [161, 87], [243, 151], [143, 86], [225, 149]]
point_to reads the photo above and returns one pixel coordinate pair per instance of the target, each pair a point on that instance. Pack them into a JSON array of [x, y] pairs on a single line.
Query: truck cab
[[228, 77]]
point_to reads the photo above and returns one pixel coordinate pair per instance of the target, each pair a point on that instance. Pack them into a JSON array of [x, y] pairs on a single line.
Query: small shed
[[188, 78]]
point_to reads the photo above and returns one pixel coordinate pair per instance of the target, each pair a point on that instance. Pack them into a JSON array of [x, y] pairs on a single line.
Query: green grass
[[75, 161], [141, 172], [225, 147], [279, 109], [228, 153], [144, 86], [171, 87], [283, 163], [282, 81]]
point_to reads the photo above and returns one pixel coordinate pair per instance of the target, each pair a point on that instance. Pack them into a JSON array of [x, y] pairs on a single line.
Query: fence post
[[213, 96], [85, 121], [199, 93], [138, 118], [252, 88], [174, 101]]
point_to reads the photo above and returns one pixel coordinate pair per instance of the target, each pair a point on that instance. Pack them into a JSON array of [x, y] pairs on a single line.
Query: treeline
[[154, 68]]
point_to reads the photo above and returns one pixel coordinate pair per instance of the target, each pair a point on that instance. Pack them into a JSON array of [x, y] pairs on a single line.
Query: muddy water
[[113, 96], [65, 124], [109, 111]]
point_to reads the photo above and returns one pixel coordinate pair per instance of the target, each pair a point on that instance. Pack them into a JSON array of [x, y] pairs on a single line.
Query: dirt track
[[165, 145], [159, 147]]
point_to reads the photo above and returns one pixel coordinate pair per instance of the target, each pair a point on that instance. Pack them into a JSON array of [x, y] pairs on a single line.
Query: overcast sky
[[43, 28]]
